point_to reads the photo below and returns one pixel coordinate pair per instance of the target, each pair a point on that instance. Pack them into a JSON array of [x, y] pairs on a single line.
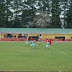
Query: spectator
[[4, 36], [40, 36], [15, 36]]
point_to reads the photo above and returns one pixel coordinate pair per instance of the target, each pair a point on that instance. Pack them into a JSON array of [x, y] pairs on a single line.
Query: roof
[[44, 30]]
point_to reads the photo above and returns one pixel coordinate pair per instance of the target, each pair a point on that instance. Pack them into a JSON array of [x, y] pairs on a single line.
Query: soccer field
[[16, 56]]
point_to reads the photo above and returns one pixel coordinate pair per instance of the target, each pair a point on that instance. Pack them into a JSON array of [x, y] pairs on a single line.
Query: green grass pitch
[[16, 56]]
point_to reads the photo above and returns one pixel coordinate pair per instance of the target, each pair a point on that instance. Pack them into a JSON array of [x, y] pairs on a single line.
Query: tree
[[28, 13], [23, 13], [55, 11], [42, 20], [5, 13], [9, 14], [2, 13], [65, 5], [69, 17]]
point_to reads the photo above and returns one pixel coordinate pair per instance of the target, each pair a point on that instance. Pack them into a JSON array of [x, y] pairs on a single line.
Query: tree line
[[36, 13]]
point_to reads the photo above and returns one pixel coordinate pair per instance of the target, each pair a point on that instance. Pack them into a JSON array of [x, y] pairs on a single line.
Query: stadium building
[[21, 34]]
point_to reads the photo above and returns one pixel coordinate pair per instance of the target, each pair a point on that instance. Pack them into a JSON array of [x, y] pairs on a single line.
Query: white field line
[[61, 52]]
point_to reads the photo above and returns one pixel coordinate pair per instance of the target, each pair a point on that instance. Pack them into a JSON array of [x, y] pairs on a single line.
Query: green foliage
[[55, 19], [69, 17], [20, 14]]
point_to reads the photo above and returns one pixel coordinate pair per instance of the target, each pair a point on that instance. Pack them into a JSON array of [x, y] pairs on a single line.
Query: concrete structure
[[50, 33]]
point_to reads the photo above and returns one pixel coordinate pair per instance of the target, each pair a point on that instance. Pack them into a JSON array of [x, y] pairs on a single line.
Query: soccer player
[[57, 41], [50, 42], [39, 41], [27, 42], [35, 44], [27, 37], [31, 38], [47, 44], [32, 44], [47, 40]]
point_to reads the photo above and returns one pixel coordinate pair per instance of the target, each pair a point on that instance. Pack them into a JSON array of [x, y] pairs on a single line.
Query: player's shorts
[[39, 42], [26, 42], [47, 45], [32, 44], [57, 42], [50, 43]]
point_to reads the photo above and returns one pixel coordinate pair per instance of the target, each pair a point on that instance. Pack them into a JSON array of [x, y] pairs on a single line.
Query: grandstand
[[18, 34]]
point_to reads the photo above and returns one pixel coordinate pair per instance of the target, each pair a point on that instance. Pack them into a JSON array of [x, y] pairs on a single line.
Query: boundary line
[[61, 52]]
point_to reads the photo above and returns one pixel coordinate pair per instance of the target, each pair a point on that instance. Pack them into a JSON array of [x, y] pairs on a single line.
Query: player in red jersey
[[47, 40], [31, 38], [50, 42]]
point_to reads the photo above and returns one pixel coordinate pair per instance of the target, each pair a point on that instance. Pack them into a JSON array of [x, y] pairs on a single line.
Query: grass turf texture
[[16, 56]]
